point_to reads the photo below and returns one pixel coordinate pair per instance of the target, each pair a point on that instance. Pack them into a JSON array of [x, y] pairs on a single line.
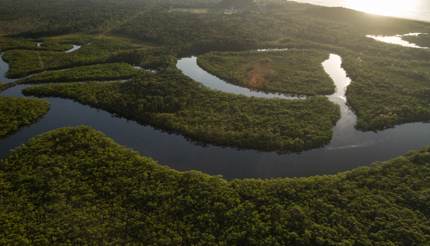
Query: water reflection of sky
[[398, 40], [411, 9]]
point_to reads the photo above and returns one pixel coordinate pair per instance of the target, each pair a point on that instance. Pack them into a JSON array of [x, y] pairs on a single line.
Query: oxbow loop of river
[[348, 149]]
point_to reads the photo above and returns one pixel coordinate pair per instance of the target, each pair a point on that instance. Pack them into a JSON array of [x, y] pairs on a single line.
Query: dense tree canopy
[[422, 40], [75, 186], [375, 98], [4, 86], [108, 71], [386, 92], [19, 112], [95, 50], [293, 71], [171, 101]]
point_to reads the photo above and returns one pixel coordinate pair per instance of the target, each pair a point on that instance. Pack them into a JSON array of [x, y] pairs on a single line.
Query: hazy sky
[[412, 9]]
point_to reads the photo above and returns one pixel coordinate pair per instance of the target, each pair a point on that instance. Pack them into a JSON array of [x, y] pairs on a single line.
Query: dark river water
[[348, 149]]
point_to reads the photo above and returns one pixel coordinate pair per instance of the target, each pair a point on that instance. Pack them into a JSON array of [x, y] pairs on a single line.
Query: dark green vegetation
[[294, 71], [109, 71], [250, 26], [27, 44], [4, 86], [303, 26], [95, 49], [422, 40], [75, 186], [386, 92], [19, 112], [171, 101], [51, 17], [10, 44]]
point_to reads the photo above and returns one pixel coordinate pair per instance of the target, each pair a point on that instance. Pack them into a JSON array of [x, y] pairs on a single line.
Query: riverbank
[[62, 180]]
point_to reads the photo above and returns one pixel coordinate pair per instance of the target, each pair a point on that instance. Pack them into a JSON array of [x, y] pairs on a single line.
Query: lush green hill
[[76, 186]]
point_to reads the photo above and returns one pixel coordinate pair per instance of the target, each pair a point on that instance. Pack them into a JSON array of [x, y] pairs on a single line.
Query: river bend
[[348, 149]]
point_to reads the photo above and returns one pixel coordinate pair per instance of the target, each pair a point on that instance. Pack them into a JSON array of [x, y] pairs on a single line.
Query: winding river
[[398, 40], [74, 48], [348, 149]]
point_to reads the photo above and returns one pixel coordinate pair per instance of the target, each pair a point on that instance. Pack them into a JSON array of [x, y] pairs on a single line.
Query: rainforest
[[212, 122]]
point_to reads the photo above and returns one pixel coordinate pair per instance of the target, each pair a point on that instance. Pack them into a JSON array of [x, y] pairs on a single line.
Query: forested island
[[297, 72], [75, 185]]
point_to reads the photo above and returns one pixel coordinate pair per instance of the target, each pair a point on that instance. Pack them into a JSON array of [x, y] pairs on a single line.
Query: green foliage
[[387, 91], [4, 86], [11, 44], [178, 104], [422, 40], [263, 25], [52, 17], [109, 71], [272, 23], [239, 4], [95, 49], [186, 30], [23, 62], [27, 44], [173, 102], [19, 112], [148, 58], [294, 71], [301, 26], [75, 186]]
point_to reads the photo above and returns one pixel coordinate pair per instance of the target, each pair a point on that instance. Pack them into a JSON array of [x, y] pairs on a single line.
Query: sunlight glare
[[383, 7]]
